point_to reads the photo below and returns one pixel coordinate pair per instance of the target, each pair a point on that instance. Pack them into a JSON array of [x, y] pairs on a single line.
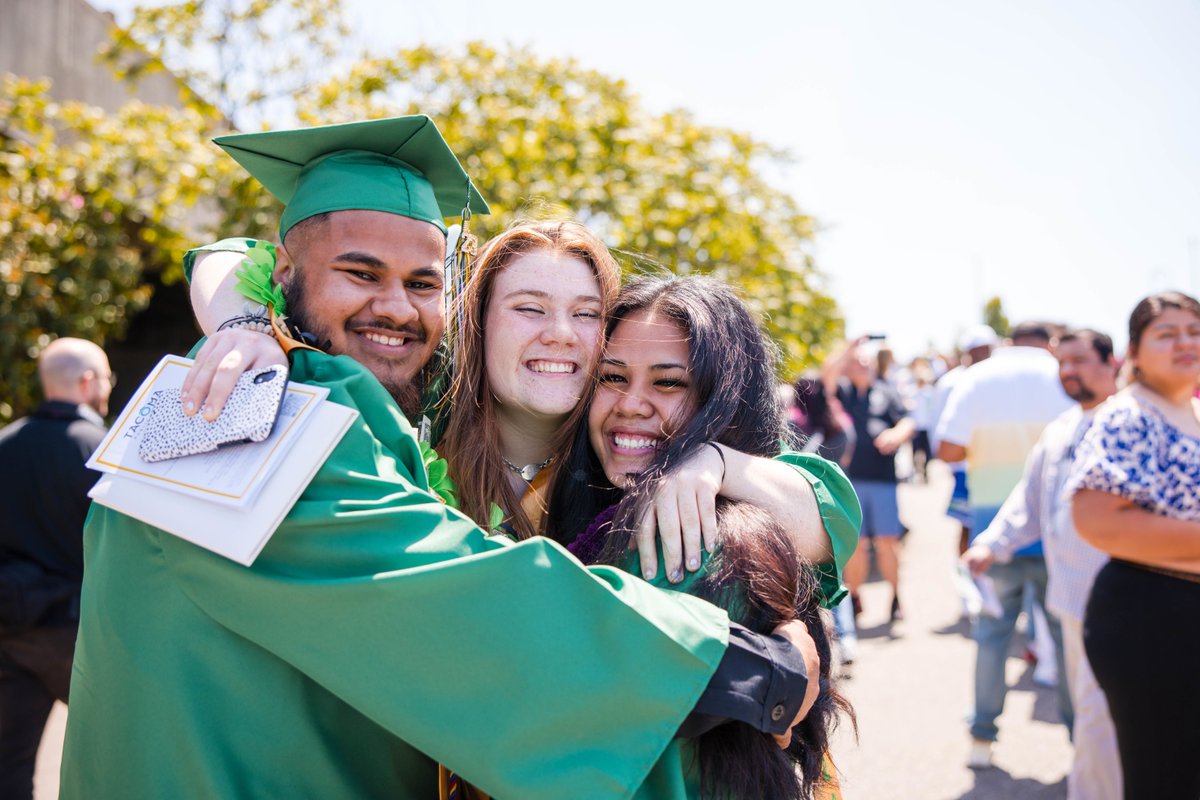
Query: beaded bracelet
[[248, 322]]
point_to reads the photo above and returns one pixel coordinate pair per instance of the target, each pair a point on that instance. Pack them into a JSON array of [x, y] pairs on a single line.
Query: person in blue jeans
[[993, 635], [995, 413]]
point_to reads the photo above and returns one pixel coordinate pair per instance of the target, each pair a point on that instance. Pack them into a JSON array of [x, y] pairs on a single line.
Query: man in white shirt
[[995, 414], [976, 345], [1036, 508]]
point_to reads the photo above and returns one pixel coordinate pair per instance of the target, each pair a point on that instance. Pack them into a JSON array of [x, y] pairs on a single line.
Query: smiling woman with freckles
[[532, 311]]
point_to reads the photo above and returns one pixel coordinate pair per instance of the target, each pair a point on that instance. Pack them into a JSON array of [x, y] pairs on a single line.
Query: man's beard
[[408, 394], [1079, 393]]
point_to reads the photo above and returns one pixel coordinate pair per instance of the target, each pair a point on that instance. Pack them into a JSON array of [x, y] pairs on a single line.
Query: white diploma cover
[[231, 500]]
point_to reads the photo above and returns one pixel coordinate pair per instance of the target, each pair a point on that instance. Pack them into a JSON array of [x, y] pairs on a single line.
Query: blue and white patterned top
[[1132, 451]]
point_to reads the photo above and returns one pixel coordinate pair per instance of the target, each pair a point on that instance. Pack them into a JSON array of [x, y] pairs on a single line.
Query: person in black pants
[[43, 491], [1136, 495]]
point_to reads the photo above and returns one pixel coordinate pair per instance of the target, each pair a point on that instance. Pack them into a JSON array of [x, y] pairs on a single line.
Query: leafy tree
[[92, 205], [93, 208], [995, 318], [238, 61], [660, 189], [88, 203]]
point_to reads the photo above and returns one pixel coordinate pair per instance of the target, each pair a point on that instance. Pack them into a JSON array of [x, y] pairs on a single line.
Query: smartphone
[[249, 416]]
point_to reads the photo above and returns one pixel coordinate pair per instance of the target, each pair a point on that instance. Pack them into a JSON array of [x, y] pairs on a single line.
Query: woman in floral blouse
[[1136, 495]]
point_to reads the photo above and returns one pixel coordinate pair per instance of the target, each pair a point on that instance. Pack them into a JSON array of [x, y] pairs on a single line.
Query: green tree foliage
[[660, 189], [91, 204], [995, 318], [88, 204], [238, 61]]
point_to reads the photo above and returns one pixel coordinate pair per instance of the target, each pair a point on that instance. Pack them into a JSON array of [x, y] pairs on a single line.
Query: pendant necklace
[[529, 471]]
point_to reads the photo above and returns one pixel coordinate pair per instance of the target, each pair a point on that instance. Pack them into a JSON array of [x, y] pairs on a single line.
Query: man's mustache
[[413, 331]]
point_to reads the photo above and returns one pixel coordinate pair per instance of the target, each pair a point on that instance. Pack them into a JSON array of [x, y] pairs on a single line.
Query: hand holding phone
[[249, 416]]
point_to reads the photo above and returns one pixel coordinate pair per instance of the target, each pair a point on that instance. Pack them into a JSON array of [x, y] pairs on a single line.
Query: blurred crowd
[[1076, 493]]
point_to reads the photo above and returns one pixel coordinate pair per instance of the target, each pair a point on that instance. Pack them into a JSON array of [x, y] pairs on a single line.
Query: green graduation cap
[[401, 165]]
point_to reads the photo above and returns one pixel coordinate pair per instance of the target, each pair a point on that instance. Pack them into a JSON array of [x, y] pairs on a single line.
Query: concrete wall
[[58, 39]]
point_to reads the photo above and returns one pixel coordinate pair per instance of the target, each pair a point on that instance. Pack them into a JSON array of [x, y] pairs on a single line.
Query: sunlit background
[[1042, 152]]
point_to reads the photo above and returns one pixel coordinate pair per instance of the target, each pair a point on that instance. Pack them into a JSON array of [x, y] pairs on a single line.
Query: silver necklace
[[529, 471]]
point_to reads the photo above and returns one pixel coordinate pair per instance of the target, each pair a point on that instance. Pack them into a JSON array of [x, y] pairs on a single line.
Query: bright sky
[[1047, 151]]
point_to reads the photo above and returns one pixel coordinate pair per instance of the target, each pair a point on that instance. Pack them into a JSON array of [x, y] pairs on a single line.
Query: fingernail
[[693, 564], [189, 407]]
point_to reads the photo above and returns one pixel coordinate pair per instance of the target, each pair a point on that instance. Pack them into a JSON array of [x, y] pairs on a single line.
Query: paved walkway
[[910, 685]]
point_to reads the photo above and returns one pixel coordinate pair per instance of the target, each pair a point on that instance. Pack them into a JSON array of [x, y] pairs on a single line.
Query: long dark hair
[[756, 571], [757, 574], [732, 372]]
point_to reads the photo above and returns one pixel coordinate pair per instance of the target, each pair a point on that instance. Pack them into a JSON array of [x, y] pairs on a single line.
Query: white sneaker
[[847, 651], [980, 756]]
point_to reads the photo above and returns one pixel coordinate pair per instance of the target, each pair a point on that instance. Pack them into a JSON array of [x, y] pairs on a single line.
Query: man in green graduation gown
[[379, 628]]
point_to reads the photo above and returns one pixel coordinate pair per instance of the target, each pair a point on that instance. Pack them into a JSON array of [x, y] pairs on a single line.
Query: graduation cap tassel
[[458, 273]]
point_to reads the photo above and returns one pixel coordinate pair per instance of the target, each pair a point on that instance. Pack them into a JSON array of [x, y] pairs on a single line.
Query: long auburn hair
[[756, 572], [471, 442]]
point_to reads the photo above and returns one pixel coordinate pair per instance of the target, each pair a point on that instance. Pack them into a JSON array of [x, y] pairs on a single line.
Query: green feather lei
[[255, 279]]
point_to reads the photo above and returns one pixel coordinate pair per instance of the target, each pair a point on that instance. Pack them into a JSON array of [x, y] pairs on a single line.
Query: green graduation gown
[[378, 629]]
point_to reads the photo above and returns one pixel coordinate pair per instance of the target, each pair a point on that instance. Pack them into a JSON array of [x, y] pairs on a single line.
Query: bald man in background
[[43, 500]]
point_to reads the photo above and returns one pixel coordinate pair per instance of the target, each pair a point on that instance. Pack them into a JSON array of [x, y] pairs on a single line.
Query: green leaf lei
[[255, 278], [496, 520], [440, 482]]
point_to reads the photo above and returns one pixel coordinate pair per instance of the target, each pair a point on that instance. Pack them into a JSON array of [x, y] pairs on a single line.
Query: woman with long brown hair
[[532, 316]]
